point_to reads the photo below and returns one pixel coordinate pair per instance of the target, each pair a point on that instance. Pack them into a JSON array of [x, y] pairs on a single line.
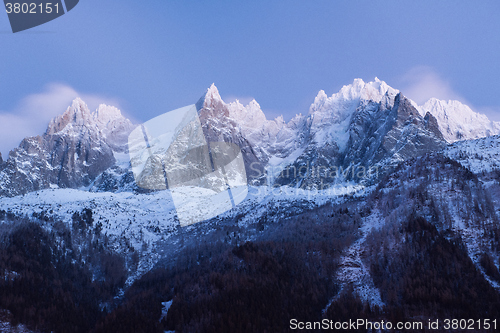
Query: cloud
[[32, 114], [422, 83]]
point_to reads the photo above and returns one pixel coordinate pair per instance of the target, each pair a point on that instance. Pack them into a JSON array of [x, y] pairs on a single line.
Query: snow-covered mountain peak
[[280, 120], [105, 119], [106, 114], [330, 116], [212, 97], [374, 90], [350, 95], [320, 99], [248, 116], [79, 106], [253, 103], [457, 121], [114, 127], [77, 147], [444, 107], [213, 108], [77, 114]]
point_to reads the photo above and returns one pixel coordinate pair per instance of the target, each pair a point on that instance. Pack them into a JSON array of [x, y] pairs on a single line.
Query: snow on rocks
[[457, 121]]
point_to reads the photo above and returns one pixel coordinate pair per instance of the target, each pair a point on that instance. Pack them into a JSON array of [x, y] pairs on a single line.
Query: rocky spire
[[77, 114]]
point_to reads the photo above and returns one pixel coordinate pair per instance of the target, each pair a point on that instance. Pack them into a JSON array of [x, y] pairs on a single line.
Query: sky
[[150, 57]]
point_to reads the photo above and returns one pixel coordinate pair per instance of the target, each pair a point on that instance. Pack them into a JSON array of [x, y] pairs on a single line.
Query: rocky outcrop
[[384, 134]]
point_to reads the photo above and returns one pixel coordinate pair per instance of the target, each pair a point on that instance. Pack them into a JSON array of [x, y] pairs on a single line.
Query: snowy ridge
[[481, 155], [457, 121], [330, 117], [130, 221]]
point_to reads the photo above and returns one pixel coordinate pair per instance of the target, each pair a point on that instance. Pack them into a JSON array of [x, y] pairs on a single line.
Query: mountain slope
[[481, 155]]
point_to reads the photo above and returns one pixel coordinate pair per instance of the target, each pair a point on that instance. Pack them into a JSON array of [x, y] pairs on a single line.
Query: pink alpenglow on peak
[[77, 114]]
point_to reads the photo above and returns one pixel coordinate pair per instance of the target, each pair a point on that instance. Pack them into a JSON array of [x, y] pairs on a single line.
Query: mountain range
[[367, 202], [365, 127]]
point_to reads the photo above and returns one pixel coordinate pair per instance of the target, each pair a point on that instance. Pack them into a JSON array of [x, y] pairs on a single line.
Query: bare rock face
[[219, 124], [76, 148], [383, 135]]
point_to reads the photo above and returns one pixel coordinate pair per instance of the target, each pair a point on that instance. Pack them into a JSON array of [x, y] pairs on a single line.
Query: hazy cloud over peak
[[422, 83]]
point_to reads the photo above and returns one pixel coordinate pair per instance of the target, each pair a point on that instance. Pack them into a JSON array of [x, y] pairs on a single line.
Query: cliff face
[[388, 133]]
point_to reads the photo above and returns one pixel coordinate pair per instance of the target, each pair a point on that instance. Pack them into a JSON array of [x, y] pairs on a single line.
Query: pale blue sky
[[153, 56]]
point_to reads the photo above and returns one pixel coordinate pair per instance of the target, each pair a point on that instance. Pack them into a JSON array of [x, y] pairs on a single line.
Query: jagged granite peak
[[378, 135], [106, 115], [352, 93], [106, 122], [330, 116], [77, 114], [212, 102], [224, 122], [114, 127], [250, 115], [411, 134], [213, 106], [457, 121], [327, 132], [260, 139], [75, 149]]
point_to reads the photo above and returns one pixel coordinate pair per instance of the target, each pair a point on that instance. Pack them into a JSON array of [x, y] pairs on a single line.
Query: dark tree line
[[433, 276], [46, 284], [219, 282]]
